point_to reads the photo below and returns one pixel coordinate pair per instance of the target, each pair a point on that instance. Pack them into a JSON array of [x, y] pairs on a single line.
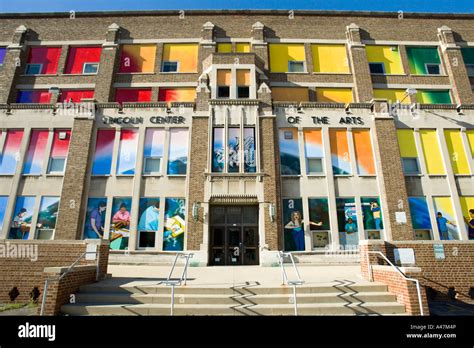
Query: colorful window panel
[[137, 58], [392, 95], [47, 217], [218, 152], [243, 77], [242, 47], [3, 52], [432, 152], [224, 48], [319, 214], [36, 152], [470, 139], [48, 57], [291, 94], [22, 217], [185, 54], [467, 55], [11, 152], [153, 151], [281, 54], [127, 156], [103, 152], [372, 214], [347, 222], [289, 152], [433, 97], [340, 158], [249, 150], [130, 95], [95, 218], [314, 151], [388, 55], [175, 226], [3, 207], [330, 59], [293, 229], [419, 212], [233, 150], [120, 223], [170, 95], [75, 96], [457, 154], [467, 205], [178, 151], [363, 151], [418, 57], [334, 95], [59, 151], [37, 96], [78, 56], [447, 224], [406, 142]]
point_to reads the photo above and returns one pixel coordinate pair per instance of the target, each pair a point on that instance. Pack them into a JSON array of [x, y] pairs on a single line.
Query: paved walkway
[[232, 275]]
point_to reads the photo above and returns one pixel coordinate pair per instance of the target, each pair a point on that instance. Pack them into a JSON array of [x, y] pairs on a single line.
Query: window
[[169, 67], [103, 152], [224, 81], [10, 155], [289, 152], [3, 52], [457, 153], [75, 96], [22, 216], [243, 83], [432, 152], [47, 216], [377, 68], [243, 92], [372, 217], [95, 218], [293, 238], [33, 69], [90, 68], [218, 153], [433, 97], [149, 222], [35, 155], [314, 151], [127, 155], [433, 69], [83, 60], [224, 48], [153, 151], [467, 203], [223, 92], [420, 217], [467, 55], [470, 69], [330, 59], [250, 164], [178, 95], [43, 60], [319, 221], [36, 96], [120, 223], [334, 95], [446, 218], [282, 54], [174, 226], [59, 151], [130, 95], [233, 144], [178, 151], [341, 161], [363, 151], [410, 165], [347, 222], [3, 207], [137, 58], [185, 56], [296, 66]]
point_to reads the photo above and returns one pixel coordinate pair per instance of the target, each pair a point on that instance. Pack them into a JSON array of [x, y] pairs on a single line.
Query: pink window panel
[[47, 56]]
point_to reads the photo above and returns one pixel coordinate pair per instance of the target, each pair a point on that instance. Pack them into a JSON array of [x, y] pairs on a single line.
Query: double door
[[234, 235]]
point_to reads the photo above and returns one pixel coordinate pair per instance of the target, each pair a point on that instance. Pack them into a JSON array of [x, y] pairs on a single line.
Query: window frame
[[322, 172], [51, 159], [384, 72], [169, 72], [470, 70], [433, 64], [90, 63], [290, 62], [218, 94], [148, 173], [417, 165], [29, 65], [248, 94]]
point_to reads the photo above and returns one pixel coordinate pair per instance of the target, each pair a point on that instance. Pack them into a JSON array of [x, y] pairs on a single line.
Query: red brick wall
[[26, 274]]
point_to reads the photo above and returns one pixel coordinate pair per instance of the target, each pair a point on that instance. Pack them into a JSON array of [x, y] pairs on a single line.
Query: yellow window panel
[[334, 95], [280, 54], [470, 137], [224, 48], [185, 54], [392, 95], [224, 77], [467, 203], [388, 55], [457, 155], [140, 57], [406, 143], [292, 94], [431, 152], [242, 48], [243, 77], [330, 59]]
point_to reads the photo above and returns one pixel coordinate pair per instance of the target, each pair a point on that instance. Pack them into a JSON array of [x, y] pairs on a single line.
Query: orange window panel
[[243, 77], [363, 151], [224, 77]]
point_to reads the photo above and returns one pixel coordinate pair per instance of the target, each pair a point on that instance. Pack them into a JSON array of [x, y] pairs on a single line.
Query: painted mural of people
[[121, 218], [470, 224], [350, 226], [296, 225], [19, 226], [95, 229], [375, 209], [149, 218], [443, 225]]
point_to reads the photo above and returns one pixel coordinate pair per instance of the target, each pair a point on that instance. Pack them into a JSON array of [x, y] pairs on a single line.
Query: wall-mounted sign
[[139, 120], [404, 256], [347, 120], [400, 217], [439, 251]]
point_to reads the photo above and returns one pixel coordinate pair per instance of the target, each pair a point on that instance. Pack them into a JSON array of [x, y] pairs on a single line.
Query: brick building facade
[[130, 127]]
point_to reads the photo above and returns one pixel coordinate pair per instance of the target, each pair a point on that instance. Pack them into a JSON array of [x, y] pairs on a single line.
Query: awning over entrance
[[233, 199]]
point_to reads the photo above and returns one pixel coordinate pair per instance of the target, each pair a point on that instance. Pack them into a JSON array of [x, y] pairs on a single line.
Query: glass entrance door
[[234, 235]]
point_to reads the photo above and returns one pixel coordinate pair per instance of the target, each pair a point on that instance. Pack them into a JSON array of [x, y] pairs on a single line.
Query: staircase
[[110, 297]]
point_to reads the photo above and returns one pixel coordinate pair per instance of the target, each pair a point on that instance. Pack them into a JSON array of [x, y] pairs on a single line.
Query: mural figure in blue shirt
[[350, 226], [375, 209], [470, 223], [96, 222], [149, 219], [296, 224], [443, 226]]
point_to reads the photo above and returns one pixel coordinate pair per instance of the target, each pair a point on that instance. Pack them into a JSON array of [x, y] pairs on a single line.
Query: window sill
[[72, 75], [321, 175], [439, 75], [101, 175], [31, 175], [330, 73], [343, 175], [289, 176], [367, 175], [435, 175], [177, 72], [135, 73], [462, 175], [54, 174], [158, 175], [177, 175], [9, 175], [38, 75], [414, 174], [289, 72], [124, 175]]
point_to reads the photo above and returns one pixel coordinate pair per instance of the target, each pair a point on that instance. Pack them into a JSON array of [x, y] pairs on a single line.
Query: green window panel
[[433, 97], [468, 55], [418, 57]]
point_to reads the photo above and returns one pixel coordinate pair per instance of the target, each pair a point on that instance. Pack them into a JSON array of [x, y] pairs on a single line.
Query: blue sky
[[445, 6]]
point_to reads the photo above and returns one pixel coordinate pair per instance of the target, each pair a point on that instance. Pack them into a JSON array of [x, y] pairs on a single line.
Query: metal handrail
[[284, 275], [416, 281], [70, 268], [177, 282]]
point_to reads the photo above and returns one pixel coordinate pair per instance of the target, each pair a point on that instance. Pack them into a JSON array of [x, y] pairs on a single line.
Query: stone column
[[207, 46], [109, 62], [75, 191], [15, 60], [359, 65], [390, 176], [456, 69], [259, 46]]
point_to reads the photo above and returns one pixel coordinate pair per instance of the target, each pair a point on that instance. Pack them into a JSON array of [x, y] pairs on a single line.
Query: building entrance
[[234, 235]]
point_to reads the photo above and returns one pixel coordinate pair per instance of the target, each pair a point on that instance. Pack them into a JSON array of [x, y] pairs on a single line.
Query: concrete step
[[103, 287], [378, 308], [235, 299]]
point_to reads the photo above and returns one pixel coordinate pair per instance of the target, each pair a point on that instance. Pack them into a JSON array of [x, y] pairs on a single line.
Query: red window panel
[[80, 55], [60, 146], [47, 56], [75, 95], [123, 95]]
